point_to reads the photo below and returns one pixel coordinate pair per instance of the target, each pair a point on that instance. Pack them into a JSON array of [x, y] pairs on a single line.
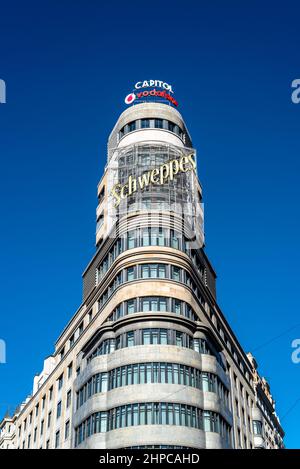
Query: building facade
[[148, 359]]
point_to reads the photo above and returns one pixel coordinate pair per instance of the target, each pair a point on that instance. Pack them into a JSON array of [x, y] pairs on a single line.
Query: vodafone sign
[[130, 98], [141, 92]]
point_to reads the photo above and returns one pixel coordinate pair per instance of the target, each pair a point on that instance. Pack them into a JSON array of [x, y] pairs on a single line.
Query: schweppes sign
[[157, 176]]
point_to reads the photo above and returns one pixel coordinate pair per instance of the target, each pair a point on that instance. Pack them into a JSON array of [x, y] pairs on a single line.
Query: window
[[49, 419], [130, 339], [42, 427], [101, 195], [57, 436], [36, 410], [67, 429], [60, 381], [174, 240], [43, 402], [100, 222], [71, 340], [175, 273], [157, 237], [158, 123], [145, 123], [130, 273], [30, 418], [80, 328], [145, 271], [237, 408], [34, 434], [257, 427], [131, 126], [152, 303], [62, 353], [70, 369], [155, 336], [145, 237], [154, 271], [243, 415], [171, 126], [48, 444], [176, 306], [50, 393], [131, 240], [131, 308], [69, 397], [90, 315], [161, 271], [58, 410]]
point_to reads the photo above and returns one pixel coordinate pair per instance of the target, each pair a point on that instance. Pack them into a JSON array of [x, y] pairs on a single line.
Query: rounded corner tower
[[161, 362]]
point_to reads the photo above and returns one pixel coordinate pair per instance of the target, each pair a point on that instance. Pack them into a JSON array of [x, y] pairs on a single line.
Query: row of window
[[143, 373], [144, 156], [148, 304], [60, 381], [159, 204], [150, 124], [150, 271], [56, 441], [152, 413], [144, 237], [150, 336]]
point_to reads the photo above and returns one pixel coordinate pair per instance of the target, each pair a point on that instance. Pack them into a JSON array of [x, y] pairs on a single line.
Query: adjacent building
[[148, 359]]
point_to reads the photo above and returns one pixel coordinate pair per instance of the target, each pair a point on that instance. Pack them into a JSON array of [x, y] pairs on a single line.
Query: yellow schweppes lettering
[[164, 173]]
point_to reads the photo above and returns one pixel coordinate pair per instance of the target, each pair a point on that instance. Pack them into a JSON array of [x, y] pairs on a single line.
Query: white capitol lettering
[[149, 83]]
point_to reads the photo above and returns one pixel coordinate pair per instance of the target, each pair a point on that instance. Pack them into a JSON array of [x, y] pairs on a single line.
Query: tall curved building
[[149, 360]]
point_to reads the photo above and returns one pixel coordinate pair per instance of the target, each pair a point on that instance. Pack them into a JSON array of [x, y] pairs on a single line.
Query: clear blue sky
[[68, 66]]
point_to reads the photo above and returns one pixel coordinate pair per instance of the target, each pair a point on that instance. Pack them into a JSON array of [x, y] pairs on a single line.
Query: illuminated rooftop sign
[[150, 83], [144, 90]]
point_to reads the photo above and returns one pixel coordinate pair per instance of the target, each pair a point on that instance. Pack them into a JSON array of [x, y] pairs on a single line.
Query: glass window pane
[[145, 123], [148, 373], [176, 273], [145, 271], [142, 374], [131, 240], [145, 304], [145, 237], [154, 304], [155, 336], [153, 270], [130, 273], [161, 238], [130, 339], [162, 271], [130, 306], [163, 336], [146, 336], [163, 304], [177, 414]]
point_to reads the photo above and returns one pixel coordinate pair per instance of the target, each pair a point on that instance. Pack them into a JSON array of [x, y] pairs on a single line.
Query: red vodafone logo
[[130, 98]]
